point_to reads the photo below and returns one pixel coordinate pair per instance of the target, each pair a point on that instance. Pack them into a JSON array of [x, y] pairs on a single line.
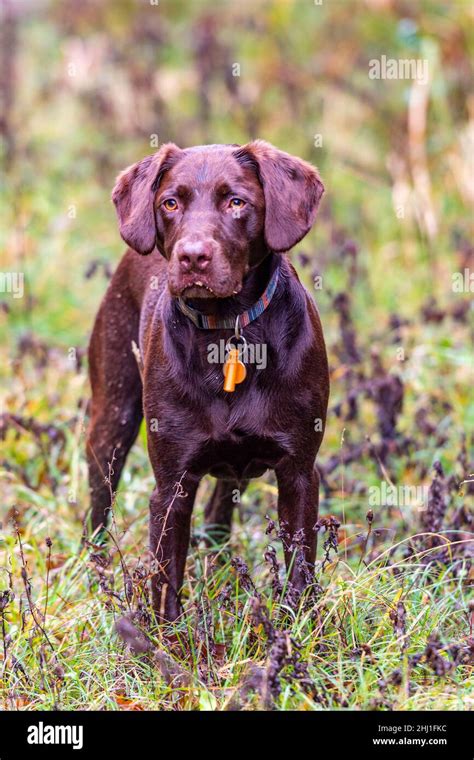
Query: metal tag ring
[[236, 338]]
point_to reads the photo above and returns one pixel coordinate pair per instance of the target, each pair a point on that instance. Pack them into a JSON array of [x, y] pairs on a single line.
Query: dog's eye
[[170, 204], [236, 203]]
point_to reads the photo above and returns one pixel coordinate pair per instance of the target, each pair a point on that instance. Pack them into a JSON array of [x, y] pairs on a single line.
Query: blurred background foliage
[[90, 87]]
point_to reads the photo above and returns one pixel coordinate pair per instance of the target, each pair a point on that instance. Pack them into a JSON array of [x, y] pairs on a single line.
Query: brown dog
[[214, 221]]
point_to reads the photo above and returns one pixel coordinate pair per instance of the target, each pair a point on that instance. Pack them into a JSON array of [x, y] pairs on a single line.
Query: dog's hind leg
[[116, 406], [219, 510]]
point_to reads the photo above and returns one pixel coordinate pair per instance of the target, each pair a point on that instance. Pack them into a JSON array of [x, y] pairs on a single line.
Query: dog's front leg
[[171, 507], [298, 499]]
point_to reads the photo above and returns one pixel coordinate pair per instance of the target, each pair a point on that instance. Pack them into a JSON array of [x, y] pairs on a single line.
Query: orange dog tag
[[234, 371]]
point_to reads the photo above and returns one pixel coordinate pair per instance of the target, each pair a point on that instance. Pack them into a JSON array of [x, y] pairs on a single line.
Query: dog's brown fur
[[221, 261]]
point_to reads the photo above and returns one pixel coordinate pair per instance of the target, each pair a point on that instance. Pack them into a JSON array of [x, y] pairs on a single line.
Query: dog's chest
[[239, 456], [240, 442]]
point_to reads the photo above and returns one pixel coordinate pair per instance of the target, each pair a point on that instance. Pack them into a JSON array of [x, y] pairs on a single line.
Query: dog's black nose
[[194, 256]]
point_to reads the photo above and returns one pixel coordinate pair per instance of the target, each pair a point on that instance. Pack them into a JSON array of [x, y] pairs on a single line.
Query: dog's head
[[215, 211]]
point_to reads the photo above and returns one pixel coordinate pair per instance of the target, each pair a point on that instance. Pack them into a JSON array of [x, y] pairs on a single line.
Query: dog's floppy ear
[[134, 194], [292, 190]]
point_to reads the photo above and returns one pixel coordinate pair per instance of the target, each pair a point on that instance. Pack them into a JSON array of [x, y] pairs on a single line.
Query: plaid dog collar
[[205, 322]]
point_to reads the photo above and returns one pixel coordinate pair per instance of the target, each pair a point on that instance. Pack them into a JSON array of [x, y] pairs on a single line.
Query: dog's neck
[[254, 284]]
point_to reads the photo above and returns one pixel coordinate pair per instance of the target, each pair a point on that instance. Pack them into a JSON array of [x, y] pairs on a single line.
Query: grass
[[346, 639], [349, 646]]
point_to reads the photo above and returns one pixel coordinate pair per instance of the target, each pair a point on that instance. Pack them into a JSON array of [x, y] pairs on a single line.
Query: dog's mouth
[[203, 290], [198, 289]]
